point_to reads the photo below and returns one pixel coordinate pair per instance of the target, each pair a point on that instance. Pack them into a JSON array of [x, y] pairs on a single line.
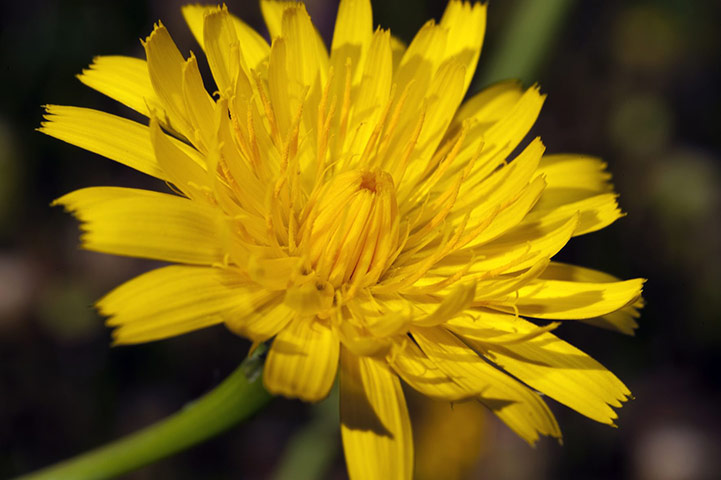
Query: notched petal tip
[[65, 201], [158, 28], [536, 87]]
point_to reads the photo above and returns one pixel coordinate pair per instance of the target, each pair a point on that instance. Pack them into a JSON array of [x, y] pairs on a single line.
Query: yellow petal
[[116, 138], [390, 322], [441, 99], [253, 46], [527, 242], [510, 216], [124, 79], [509, 130], [594, 213], [499, 120], [375, 426], [488, 326], [353, 31], [179, 168], [576, 183], [308, 59], [516, 250], [141, 223], [466, 24], [414, 77], [222, 49], [286, 95], [236, 168], [373, 91], [623, 320], [571, 178], [359, 342], [348, 60], [273, 273], [261, 317], [556, 368], [477, 115], [194, 16], [375, 88], [303, 361], [490, 104], [297, 74], [574, 273], [521, 409], [421, 59], [502, 187], [199, 105], [502, 289], [562, 300], [458, 299], [165, 67], [272, 11], [418, 371], [398, 49], [291, 20], [171, 301]]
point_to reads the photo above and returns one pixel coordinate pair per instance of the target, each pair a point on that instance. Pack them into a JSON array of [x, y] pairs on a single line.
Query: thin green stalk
[[237, 398], [526, 40], [311, 452]]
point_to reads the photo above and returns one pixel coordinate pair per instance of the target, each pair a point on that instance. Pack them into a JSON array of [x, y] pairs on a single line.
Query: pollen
[[368, 182]]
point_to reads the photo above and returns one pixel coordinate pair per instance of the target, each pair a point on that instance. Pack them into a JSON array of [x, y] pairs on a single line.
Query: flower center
[[353, 228]]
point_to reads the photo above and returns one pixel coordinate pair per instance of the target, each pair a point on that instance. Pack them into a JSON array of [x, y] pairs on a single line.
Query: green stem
[[310, 453], [237, 398], [526, 40]]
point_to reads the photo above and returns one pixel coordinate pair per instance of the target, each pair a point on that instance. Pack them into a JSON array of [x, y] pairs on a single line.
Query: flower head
[[350, 209]]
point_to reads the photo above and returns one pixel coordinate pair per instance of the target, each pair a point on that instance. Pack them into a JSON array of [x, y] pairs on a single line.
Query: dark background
[[631, 81]]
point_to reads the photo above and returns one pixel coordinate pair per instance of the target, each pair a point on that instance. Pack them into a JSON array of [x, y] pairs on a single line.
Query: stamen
[[254, 150], [241, 140], [269, 113], [290, 150], [391, 127], [420, 187], [375, 135], [410, 146], [345, 109], [323, 127]]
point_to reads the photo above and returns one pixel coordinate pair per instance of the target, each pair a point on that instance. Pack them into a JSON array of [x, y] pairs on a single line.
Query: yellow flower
[[348, 208]]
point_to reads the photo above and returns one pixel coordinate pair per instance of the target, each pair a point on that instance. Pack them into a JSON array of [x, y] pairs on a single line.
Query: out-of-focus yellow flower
[[449, 439], [349, 208]]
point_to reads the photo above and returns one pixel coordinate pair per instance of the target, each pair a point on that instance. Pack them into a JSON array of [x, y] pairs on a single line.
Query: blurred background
[[634, 82]]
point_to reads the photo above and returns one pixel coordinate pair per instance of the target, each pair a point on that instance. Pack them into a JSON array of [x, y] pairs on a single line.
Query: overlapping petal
[[563, 300], [375, 426], [520, 408], [141, 223], [255, 49], [172, 301], [303, 360], [114, 137], [546, 363], [124, 79]]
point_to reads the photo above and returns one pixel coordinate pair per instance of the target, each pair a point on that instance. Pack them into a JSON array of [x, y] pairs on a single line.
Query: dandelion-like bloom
[[351, 210]]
